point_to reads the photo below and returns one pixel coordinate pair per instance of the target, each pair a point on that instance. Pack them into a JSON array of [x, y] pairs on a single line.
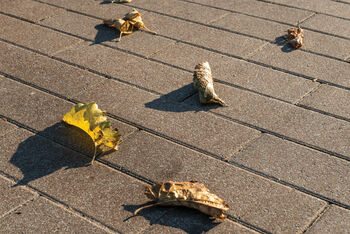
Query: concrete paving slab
[[227, 227], [289, 120], [45, 72], [183, 123], [329, 24], [12, 197], [329, 99], [260, 202], [131, 69], [306, 64], [33, 36], [42, 213], [249, 25], [29, 9], [6, 127], [260, 9], [310, 169], [238, 72], [334, 220]]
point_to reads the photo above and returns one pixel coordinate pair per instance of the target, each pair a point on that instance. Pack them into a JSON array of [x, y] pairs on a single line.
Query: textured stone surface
[[29, 9], [227, 227], [286, 119], [6, 127], [315, 171], [138, 71], [42, 213], [12, 197], [33, 36], [183, 123], [45, 72], [253, 199], [259, 9], [329, 99], [304, 63], [238, 72], [334, 220]]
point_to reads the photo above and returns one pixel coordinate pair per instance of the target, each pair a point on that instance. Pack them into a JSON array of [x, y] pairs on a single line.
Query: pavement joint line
[[216, 114], [161, 49], [188, 43], [125, 171], [218, 18], [255, 228], [310, 91], [244, 145], [304, 9], [341, 1], [307, 17], [261, 47], [318, 215], [203, 24], [323, 112], [63, 205], [109, 165]]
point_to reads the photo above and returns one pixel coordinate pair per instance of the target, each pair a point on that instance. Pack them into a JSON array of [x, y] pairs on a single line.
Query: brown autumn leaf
[[135, 19], [296, 36], [190, 194], [204, 83], [120, 1]]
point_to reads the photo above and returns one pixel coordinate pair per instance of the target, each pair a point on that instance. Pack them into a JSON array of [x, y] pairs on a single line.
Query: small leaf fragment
[[190, 194], [204, 83], [94, 122], [296, 36], [135, 19], [120, 1]]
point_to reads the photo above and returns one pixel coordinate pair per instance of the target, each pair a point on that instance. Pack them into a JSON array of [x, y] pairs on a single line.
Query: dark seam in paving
[[341, 1], [304, 9], [109, 165], [77, 212], [188, 43], [323, 112], [319, 215]]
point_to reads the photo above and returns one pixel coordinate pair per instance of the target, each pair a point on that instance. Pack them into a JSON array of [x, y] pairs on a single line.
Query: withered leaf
[[123, 26], [135, 19], [296, 36], [120, 1], [94, 122], [204, 83], [190, 194]]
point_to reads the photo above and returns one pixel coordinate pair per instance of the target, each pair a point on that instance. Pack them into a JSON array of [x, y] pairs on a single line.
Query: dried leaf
[[94, 122], [120, 1], [203, 82], [135, 19], [190, 194], [123, 26], [295, 36]]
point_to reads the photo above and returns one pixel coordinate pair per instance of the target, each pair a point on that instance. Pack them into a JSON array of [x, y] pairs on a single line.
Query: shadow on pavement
[[183, 218], [105, 33], [38, 156], [163, 104], [282, 41]]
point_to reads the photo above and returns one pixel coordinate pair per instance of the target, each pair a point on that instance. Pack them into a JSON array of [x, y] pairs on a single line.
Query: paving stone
[[184, 123], [329, 99], [227, 227], [251, 198], [139, 42], [12, 197], [329, 24], [6, 127], [260, 9], [333, 7], [238, 72], [334, 220], [313, 170], [304, 63], [45, 72], [33, 36], [180, 9], [28, 9], [289, 120], [102, 193], [249, 25], [326, 45], [141, 72], [42, 213]]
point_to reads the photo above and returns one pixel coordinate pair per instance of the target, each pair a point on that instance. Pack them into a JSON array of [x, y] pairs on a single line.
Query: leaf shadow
[[191, 101], [183, 218], [38, 156], [283, 42], [105, 33]]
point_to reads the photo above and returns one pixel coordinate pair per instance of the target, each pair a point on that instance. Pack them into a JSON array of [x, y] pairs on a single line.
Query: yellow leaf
[[135, 19], [94, 122]]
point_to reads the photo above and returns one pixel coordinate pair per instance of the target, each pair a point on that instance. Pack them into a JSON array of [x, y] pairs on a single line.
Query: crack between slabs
[[160, 50], [314, 89], [317, 216]]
